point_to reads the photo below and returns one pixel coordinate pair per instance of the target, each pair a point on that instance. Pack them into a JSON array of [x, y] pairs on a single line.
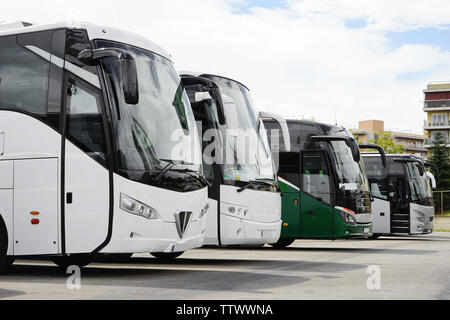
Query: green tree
[[389, 146], [440, 157], [356, 137]]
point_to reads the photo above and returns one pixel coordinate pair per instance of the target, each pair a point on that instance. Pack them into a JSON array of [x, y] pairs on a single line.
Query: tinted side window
[[294, 132], [275, 135], [396, 168], [290, 167], [24, 73], [308, 131], [84, 125], [77, 41], [377, 177], [316, 176]]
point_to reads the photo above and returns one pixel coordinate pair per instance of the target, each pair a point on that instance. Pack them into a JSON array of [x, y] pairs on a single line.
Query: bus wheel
[[283, 243], [374, 237], [5, 261], [80, 260], [166, 256]]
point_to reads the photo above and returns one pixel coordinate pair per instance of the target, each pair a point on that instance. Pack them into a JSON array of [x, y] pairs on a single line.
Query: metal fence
[[441, 201]]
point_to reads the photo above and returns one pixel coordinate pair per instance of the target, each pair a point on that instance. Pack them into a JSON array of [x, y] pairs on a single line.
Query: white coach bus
[[99, 150], [244, 198], [402, 192]]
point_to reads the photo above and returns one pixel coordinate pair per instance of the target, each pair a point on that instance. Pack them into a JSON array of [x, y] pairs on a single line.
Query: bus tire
[[80, 260], [5, 261], [166, 256], [283, 243], [374, 237]]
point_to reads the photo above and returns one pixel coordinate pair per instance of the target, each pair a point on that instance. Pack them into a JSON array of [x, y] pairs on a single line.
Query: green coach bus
[[325, 189]]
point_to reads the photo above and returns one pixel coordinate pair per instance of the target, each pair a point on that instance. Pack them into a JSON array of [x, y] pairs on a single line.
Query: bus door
[[86, 177], [400, 199], [316, 195]]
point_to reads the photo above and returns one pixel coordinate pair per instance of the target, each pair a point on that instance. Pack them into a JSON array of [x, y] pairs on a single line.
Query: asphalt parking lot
[[405, 268]]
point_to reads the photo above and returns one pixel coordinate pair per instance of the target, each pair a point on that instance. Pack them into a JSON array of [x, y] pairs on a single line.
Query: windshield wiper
[[273, 183], [194, 174], [257, 182], [169, 166]]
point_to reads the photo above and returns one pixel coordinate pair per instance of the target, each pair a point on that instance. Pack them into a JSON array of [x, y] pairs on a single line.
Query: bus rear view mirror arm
[[376, 147], [432, 165], [127, 68], [284, 128], [350, 142]]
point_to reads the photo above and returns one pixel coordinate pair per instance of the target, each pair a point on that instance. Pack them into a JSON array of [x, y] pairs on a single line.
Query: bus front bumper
[[161, 237], [236, 231], [358, 231]]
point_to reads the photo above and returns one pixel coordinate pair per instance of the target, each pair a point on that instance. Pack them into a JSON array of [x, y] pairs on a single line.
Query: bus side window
[[84, 122], [289, 167], [24, 73], [315, 175]]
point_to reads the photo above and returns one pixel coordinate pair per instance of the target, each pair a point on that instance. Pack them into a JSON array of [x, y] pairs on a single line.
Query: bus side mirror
[[354, 147], [213, 95], [220, 105], [127, 69], [129, 78], [202, 96]]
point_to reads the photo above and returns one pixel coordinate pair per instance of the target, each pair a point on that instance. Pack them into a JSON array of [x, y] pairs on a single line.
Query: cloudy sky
[[344, 60]]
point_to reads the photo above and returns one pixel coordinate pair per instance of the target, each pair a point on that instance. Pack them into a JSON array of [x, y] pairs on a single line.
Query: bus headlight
[[348, 216], [137, 208]]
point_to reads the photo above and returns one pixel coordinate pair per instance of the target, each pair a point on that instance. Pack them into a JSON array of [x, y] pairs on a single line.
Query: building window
[[439, 119], [443, 133]]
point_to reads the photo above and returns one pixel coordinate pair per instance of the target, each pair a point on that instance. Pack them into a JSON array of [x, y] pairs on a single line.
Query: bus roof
[[95, 32], [376, 154], [325, 127], [203, 74]]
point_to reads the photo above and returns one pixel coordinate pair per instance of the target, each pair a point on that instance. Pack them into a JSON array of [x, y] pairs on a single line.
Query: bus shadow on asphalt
[[5, 293], [288, 265], [400, 238], [182, 279], [349, 250]]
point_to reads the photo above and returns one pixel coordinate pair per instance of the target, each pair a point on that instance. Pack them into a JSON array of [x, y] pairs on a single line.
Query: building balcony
[[416, 149], [436, 105], [436, 125], [429, 143]]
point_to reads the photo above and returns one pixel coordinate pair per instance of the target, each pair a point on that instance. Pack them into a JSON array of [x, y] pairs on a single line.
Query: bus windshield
[[159, 133], [247, 155], [416, 182], [350, 174], [353, 187]]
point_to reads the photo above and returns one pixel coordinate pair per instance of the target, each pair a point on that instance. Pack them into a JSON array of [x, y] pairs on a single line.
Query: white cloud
[[398, 15], [299, 61]]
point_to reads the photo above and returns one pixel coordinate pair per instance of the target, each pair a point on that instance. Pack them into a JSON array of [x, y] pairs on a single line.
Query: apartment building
[[370, 130], [437, 107]]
